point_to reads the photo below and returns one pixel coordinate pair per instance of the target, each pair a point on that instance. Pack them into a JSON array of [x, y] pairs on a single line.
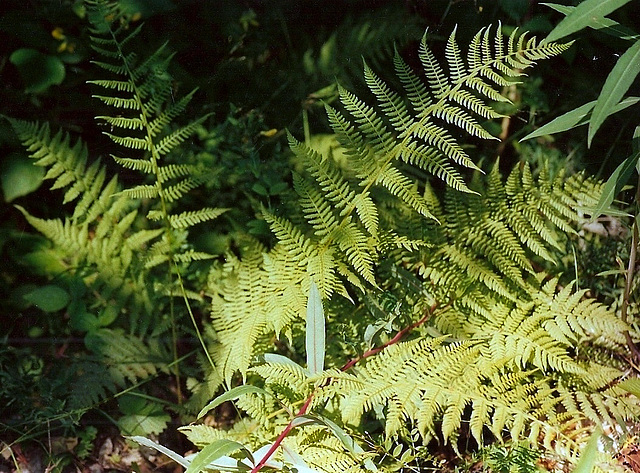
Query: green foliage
[[497, 352], [424, 296], [105, 247]]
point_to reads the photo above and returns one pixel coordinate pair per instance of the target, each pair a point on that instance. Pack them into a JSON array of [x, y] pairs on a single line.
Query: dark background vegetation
[[262, 67]]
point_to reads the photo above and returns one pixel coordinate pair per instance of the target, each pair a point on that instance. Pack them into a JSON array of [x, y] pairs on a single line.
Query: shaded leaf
[[19, 176], [618, 82], [49, 298], [38, 71], [583, 16]]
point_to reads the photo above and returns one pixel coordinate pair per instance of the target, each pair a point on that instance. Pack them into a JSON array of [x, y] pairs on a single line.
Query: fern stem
[[397, 337], [303, 410]]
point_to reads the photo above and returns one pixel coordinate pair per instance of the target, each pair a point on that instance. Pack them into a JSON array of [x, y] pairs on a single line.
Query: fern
[[145, 124], [498, 353], [344, 242], [106, 244]]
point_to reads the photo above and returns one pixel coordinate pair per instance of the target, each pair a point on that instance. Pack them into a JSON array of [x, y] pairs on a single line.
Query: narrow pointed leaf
[[583, 16], [315, 337], [615, 184], [347, 440], [176, 457], [575, 118], [589, 455], [607, 25], [564, 122], [213, 452], [618, 82], [230, 395]]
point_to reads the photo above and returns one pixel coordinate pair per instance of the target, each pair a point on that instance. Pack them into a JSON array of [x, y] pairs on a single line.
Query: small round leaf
[[48, 298], [38, 71], [19, 176]]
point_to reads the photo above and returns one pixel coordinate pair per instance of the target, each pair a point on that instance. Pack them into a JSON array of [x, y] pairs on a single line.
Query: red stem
[[303, 410]]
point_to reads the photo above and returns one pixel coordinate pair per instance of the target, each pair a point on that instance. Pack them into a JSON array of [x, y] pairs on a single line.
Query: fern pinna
[[498, 352]]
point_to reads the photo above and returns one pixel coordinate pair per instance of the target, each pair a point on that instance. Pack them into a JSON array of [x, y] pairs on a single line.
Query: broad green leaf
[[587, 461], [214, 451], [618, 82], [49, 298], [614, 185], [230, 395], [607, 25], [176, 457], [583, 16], [315, 336], [19, 176], [575, 118], [38, 71]]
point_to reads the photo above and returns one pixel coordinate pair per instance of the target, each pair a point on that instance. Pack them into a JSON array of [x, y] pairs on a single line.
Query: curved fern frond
[[453, 99]]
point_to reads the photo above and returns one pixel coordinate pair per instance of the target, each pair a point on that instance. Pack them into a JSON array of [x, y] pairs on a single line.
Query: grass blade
[[315, 337], [583, 16], [618, 82], [575, 118], [230, 395]]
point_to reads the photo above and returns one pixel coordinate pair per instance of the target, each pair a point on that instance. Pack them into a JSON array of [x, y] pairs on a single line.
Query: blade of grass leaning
[[575, 118], [562, 123], [230, 395], [347, 441], [176, 457], [583, 16], [607, 25], [618, 82], [614, 185], [587, 461], [214, 451], [315, 336]]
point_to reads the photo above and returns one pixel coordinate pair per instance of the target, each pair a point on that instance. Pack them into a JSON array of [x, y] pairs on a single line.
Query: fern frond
[[176, 137], [128, 361], [122, 122], [66, 164], [143, 165]]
